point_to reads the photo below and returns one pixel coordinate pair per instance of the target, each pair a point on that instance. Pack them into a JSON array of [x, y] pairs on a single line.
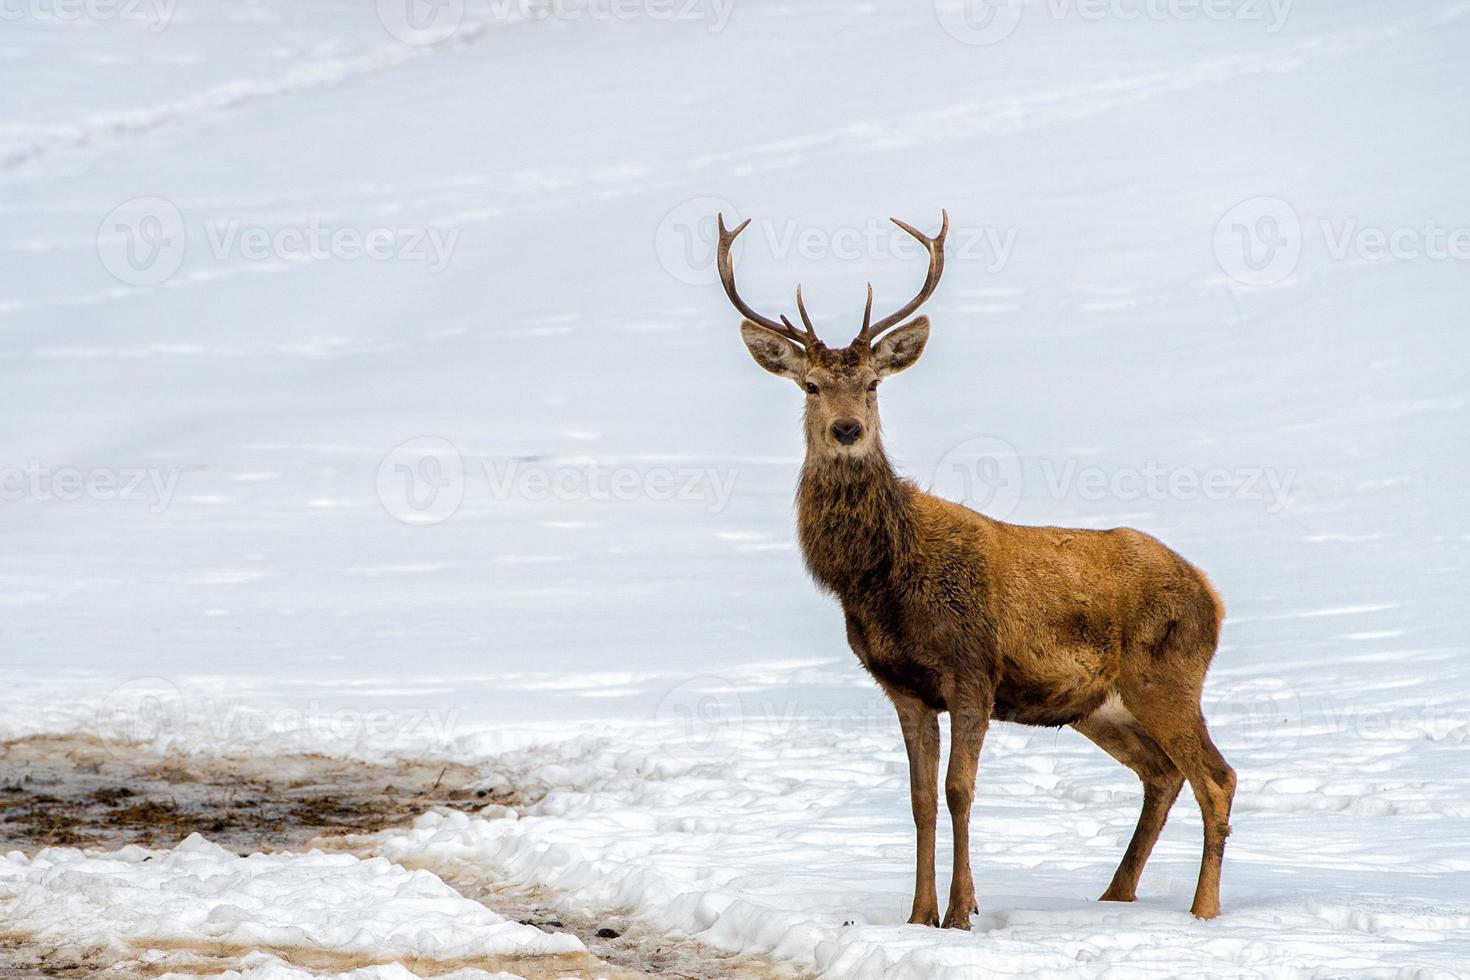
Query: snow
[[521, 497], [390, 971], [787, 841], [201, 897]]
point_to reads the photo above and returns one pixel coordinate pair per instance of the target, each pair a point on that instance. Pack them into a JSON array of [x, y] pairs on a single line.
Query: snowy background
[[368, 392]]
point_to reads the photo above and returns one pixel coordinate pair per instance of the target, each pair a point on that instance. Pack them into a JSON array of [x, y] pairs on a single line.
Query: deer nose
[[846, 431]]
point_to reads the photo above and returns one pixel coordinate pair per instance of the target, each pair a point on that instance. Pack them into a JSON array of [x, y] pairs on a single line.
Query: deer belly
[[1048, 701]]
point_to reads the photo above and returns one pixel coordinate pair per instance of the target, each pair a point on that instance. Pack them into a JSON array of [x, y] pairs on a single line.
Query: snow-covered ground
[[299, 904], [369, 396]]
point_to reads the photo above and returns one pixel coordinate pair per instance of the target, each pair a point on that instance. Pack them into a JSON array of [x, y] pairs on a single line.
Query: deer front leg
[[967, 727], [920, 726]]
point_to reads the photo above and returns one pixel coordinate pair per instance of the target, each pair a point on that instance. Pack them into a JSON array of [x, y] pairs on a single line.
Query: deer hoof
[[1112, 895], [924, 919], [957, 920]]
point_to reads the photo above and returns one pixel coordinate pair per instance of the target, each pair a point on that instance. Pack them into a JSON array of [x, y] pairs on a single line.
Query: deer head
[[841, 385]]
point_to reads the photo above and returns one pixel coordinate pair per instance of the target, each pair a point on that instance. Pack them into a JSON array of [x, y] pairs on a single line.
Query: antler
[[807, 337], [935, 247]]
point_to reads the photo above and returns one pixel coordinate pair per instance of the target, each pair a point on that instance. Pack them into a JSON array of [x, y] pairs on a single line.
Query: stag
[[1109, 632]]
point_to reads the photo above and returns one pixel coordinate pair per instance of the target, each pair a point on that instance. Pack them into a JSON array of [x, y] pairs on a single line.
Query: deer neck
[[854, 522]]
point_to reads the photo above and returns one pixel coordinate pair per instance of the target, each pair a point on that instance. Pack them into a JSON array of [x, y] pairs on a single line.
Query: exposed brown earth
[[80, 791]]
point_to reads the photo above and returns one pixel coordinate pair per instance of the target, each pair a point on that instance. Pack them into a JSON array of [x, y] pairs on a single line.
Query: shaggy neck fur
[[854, 522]]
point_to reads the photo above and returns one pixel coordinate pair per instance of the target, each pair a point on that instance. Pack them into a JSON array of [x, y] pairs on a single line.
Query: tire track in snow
[[1023, 113], [487, 197], [19, 148]]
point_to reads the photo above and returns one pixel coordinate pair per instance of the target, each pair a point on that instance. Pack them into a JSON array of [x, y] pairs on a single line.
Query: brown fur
[[1108, 631]]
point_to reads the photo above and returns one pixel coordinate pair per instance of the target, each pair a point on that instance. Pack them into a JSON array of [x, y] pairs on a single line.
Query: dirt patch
[[622, 943], [82, 792], [18, 959]]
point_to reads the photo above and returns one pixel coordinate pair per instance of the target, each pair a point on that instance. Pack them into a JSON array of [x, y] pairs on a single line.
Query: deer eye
[[811, 389], [873, 385]]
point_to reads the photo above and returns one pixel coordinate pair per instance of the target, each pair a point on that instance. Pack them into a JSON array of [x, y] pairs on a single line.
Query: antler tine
[[806, 321], [935, 248], [726, 266]]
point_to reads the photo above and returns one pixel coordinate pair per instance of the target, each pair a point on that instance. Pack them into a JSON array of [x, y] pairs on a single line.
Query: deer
[[1107, 631]]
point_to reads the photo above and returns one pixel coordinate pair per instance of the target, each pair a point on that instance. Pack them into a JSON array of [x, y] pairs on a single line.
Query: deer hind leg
[[967, 727], [1161, 779], [920, 725], [1179, 727]]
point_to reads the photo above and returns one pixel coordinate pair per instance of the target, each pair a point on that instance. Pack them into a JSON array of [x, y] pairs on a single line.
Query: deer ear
[[774, 353], [901, 348]]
